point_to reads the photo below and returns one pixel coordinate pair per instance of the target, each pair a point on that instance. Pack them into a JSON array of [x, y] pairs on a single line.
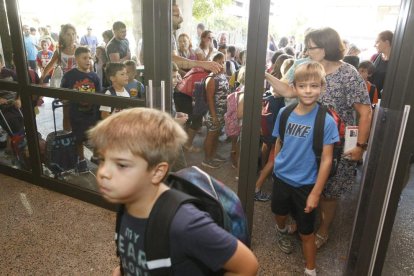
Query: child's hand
[[354, 154], [181, 118], [311, 202], [215, 121], [117, 271]]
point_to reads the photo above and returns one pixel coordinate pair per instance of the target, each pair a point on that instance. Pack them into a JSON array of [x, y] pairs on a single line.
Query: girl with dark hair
[[205, 51], [64, 57]]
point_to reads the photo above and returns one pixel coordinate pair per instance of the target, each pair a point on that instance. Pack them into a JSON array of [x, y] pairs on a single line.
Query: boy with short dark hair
[[298, 181], [82, 115], [366, 69], [134, 87], [117, 74], [132, 174]]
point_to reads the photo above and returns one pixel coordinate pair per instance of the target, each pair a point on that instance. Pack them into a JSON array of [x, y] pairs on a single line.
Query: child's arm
[[323, 173], [243, 262], [281, 88], [210, 91], [49, 66], [240, 106]]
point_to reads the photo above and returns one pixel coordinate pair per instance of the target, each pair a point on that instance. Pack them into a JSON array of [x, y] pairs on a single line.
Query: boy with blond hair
[[299, 179], [133, 174]]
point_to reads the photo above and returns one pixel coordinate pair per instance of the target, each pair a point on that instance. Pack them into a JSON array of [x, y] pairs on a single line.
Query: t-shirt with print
[[123, 93], [43, 58], [82, 114], [137, 88], [197, 243], [296, 162]]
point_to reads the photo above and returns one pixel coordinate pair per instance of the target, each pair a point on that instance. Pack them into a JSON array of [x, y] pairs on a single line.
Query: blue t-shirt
[[30, 45], [296, 162], [138, 89], [194, 240]]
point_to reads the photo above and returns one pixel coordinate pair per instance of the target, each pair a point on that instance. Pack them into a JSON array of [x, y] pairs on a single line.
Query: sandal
[[191, 149], [320, 240]]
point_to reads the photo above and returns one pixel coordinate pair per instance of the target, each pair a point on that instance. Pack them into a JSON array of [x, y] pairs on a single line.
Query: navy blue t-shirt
[[195, 239], [82, 115]]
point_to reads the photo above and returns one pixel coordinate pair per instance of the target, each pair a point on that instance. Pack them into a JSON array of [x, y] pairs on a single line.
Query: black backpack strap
[[372, 92], [119, 214], [112, 90], [283, 120], [157, 232], [318, 133]]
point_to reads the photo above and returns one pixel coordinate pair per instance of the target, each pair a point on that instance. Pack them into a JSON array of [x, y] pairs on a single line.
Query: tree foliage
[[205, 8]]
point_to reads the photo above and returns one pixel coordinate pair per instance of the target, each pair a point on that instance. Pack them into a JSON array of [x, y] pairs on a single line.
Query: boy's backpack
[[373, 93], [231, 122], [200, 97], [188, 83], [318, 133], [189, 185], [270, 109]]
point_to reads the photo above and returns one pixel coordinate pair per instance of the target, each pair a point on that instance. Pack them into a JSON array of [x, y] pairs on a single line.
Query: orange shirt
[[374, 98]]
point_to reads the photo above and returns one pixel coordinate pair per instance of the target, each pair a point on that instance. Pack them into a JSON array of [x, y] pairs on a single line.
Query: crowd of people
[[319, 70]]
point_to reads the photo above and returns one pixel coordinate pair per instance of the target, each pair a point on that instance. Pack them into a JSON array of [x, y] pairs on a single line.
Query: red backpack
[[187, 84]]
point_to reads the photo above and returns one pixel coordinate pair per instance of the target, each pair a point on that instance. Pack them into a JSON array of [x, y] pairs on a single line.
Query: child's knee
[[307, 237]]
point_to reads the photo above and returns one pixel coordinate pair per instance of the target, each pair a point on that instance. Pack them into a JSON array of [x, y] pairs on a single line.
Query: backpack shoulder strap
[[112, 90], [372, 92], [318, 131], [283, 120], [157, 232]]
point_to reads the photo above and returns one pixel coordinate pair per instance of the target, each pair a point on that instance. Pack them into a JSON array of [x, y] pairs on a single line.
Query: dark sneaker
[[210, 164], [82, 166], [261, 196], [219, 158], [284, 242]]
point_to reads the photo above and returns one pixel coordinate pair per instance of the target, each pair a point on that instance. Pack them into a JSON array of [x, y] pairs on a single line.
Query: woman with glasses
[[345, 92], [206, 50]]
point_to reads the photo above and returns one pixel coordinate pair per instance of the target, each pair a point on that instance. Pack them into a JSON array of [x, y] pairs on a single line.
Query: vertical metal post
[[23, 79], [255, 68]]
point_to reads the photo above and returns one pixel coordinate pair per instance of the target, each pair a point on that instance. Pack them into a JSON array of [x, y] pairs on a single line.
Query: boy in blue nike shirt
[[298, 182]]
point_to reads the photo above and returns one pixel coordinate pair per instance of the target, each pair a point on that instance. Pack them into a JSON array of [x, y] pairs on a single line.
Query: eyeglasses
[[313, 48]]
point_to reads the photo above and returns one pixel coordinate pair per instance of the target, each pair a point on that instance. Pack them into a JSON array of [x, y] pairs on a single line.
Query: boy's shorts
[[288, 199]]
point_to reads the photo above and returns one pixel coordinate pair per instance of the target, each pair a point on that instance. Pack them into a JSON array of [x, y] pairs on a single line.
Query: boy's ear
[[159, 172]]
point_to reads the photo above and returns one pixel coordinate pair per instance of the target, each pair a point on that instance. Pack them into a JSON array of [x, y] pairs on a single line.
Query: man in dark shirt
[[117, 49]]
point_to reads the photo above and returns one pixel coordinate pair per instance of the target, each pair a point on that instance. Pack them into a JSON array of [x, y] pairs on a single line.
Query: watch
[[363, 146]]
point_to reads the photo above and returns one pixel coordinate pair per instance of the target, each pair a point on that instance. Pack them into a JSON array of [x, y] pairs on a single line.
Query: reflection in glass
[[7, 69], [401, 246], [13, 141], [68, 156]]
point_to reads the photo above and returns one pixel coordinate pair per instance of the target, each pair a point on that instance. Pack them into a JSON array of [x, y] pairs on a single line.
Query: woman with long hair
[[205, 51]]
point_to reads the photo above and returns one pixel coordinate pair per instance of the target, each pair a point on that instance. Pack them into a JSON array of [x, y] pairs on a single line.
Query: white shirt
[[124, 93]]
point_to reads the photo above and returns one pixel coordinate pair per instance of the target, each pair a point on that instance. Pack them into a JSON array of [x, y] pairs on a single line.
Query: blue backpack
[[189, 185], [200, 97]]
